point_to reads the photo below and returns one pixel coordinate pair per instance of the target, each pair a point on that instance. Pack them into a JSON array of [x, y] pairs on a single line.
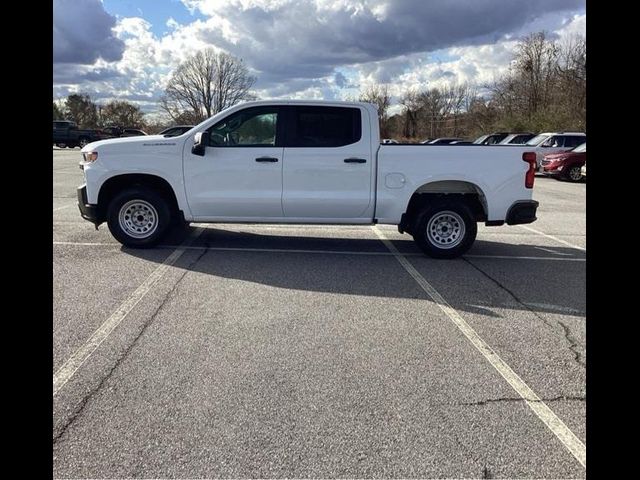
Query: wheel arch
[[117, 183], [467, 192]]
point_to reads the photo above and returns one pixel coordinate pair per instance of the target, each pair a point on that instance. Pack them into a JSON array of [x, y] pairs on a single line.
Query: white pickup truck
[[304, 162]]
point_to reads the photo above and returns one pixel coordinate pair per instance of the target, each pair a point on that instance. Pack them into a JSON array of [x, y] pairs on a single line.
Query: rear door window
[[324, 126]]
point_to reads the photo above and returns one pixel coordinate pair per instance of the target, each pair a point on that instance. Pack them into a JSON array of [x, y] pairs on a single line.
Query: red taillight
[[529, 177]]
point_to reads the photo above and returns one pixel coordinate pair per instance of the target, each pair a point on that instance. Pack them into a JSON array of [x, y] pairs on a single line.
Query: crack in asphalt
[[573, 345], [486, 473], [519, 399], [83, 403]]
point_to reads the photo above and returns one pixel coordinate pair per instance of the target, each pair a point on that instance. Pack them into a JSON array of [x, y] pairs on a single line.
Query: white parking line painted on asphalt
[[64, 206], [559, 240], [519, 257], [91, 244], [533, 401], [71, 366], [328, 252], [553, 251]]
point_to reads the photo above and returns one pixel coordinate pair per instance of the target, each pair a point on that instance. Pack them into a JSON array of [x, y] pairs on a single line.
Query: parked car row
[[558, 154], [67, 134], [176, 130], [115, 132]]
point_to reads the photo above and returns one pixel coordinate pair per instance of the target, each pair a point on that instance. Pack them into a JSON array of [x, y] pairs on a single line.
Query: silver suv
[[555, 142]]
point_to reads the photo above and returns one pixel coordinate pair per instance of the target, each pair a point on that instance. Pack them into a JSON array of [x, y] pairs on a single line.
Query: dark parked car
[[491, 138], [67, 134], [123, 132], [461, 142], [132, 132], [175, 131], [517, 138], [566, 165], [442, 141]]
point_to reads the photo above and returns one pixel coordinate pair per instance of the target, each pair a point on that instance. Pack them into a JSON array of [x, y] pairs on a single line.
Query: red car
[[566, 165]]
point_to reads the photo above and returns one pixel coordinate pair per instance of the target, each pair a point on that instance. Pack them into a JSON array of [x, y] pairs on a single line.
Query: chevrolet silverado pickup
[[304, 162]]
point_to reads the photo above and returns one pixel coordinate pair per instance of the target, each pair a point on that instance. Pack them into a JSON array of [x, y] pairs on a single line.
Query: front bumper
[[523, 211], [552, 170], [87, 211]]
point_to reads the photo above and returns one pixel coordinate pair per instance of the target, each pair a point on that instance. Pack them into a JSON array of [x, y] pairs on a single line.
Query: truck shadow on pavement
[[481, 282]]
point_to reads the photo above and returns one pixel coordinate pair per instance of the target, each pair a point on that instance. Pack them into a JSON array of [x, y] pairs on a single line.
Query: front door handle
[[266, 159], [355, 160]]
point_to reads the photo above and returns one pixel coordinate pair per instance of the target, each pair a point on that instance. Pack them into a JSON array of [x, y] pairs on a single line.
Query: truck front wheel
[[138, 217], [445, 229]]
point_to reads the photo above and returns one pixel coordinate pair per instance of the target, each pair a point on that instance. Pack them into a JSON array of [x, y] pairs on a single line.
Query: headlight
[[87, 158], [90, 157]]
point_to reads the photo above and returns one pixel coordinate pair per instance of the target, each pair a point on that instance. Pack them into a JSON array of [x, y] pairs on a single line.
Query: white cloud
[[327, 48]]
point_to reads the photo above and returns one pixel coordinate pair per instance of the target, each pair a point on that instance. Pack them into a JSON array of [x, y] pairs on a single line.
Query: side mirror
[[200, 142]]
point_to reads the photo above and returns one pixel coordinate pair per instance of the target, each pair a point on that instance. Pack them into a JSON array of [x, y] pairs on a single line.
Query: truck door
[[327, 167], [240, 175]]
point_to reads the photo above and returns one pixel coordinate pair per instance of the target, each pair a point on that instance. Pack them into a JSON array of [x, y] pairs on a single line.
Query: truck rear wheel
[[138, 217], [445, 229]]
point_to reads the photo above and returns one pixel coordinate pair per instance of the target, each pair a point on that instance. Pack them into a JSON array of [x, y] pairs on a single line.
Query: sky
[[303, 49]]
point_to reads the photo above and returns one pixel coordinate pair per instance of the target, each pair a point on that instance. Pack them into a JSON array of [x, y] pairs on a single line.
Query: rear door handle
[[355, 160], [266, 159]]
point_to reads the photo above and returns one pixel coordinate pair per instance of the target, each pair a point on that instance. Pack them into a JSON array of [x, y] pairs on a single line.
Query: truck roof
[[305, 102]]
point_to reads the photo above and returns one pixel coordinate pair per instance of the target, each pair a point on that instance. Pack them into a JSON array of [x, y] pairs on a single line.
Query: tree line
[[544, 90], [80, 108]]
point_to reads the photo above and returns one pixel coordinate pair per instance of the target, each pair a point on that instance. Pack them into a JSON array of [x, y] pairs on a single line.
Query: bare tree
[[572, 73], [411, 103], [379, 96], [57, 112], [545, 88], [205, 84], [536, 62]]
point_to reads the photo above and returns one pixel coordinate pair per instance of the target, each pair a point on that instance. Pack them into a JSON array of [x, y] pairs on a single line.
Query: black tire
[[144, 198], [450, 215], [574, 174], [83, 141]]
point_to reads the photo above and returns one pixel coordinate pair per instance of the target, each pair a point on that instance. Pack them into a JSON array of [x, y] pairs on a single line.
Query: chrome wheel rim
[[446, 229], [575, 173], [138, 218]]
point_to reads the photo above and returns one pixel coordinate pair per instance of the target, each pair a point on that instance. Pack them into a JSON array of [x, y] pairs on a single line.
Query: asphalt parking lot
[[300, 351]]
